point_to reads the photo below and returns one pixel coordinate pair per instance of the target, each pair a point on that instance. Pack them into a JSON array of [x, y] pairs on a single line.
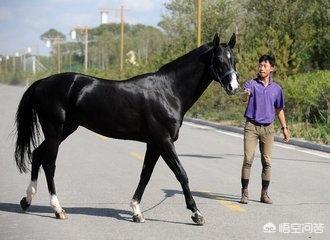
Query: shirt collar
[[259, 80]]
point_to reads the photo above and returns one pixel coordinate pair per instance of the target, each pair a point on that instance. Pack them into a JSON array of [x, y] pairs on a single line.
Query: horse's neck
[[190, 80]]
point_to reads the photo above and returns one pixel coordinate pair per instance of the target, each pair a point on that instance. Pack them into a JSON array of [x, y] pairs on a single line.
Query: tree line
[[296, 32]]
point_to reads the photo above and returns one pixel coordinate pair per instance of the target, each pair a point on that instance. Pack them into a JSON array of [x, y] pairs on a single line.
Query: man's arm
[[284, 128], [247, 91]]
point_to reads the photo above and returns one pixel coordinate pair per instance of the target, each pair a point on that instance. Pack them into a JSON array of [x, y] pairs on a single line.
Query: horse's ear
[[216, 40], [232, 41]]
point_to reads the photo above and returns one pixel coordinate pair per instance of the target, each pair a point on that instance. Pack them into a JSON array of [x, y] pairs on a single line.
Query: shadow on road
[[213, 156], [122, 215], [239, 157], [99, 212], [209, 195]]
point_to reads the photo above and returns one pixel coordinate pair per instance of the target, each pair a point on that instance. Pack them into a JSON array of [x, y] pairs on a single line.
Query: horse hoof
[[198, 219], [24, 204], [138, 218], [61, 215]]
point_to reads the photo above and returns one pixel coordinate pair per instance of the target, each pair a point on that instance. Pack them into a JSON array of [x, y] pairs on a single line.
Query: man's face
[[265, 69]]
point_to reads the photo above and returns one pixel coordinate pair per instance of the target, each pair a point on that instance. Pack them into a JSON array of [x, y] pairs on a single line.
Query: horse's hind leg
[[45, 155], [48, 164], [151, 157], [49, 158], [32, 188]]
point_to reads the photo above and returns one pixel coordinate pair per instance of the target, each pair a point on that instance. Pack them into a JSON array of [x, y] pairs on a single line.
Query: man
[[264, 100]]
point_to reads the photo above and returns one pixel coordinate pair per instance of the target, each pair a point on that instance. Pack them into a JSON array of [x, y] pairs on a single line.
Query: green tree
[[319, 53], [52, 34], [144, 41], [292, 30], [180, 23]]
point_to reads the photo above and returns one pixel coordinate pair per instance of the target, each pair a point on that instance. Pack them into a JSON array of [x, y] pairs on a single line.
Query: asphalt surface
[[96, 178]]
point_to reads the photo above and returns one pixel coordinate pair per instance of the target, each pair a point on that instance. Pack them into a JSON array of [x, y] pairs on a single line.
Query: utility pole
[[14, 63], [122, 44], [86, 49], [34, 69], [84, 31], [121, 38], [58, 57], [55, 42], [24, 62], [199, 22], [6, 64]]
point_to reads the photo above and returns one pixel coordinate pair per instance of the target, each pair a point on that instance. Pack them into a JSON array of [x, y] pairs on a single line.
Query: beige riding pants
[[265, 136]]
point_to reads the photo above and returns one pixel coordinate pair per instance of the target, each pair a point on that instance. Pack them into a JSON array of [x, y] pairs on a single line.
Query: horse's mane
[[193, 54]]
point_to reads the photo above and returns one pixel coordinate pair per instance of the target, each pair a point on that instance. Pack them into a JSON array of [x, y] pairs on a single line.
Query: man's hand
[[284, 128], [286, 135], [246, 95]]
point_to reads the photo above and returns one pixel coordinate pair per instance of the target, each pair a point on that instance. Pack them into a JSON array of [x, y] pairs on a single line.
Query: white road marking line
[[197, 125], [325, 155], [300, 149], [230, 134], [285, 146], [291, 147]]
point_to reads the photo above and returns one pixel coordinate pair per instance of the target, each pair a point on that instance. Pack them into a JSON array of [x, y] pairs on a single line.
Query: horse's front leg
[[171, 158], [150, 159]]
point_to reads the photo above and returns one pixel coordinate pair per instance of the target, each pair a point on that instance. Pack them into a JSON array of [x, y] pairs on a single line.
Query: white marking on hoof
[[31, 191], [136, 207], [138, 218], [198, 218], [61, 215], [55, 204], [198, 213]]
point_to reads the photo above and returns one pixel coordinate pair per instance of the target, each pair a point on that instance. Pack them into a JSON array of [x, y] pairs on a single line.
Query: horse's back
[[130, 109]]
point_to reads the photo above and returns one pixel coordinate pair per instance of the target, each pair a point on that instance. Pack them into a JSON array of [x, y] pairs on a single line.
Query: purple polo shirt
[[263, 100]]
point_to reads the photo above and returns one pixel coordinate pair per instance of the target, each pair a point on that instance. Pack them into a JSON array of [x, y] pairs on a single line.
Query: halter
[[215, 75]]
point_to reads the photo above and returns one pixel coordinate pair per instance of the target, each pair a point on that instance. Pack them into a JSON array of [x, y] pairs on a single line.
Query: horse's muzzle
[[230, 91]]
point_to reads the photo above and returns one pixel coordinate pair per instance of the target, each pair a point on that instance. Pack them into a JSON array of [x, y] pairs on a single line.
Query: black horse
[[147, 108]]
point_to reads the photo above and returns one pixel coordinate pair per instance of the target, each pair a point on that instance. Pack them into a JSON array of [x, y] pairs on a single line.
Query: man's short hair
[[268, 58]]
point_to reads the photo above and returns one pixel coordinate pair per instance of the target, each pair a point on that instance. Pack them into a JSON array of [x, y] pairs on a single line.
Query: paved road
[[96, 178]]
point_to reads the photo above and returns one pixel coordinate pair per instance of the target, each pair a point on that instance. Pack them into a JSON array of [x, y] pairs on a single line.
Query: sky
[[23, 21]]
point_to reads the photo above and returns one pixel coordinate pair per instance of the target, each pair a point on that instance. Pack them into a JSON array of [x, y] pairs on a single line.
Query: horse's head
[[223, 65]]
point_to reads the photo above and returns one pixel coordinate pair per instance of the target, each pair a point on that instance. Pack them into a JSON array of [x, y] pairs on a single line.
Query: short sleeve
[[279, 102], [248, 85]]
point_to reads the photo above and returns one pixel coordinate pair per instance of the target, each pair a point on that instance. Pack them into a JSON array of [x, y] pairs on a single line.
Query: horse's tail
[[27, 129]]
